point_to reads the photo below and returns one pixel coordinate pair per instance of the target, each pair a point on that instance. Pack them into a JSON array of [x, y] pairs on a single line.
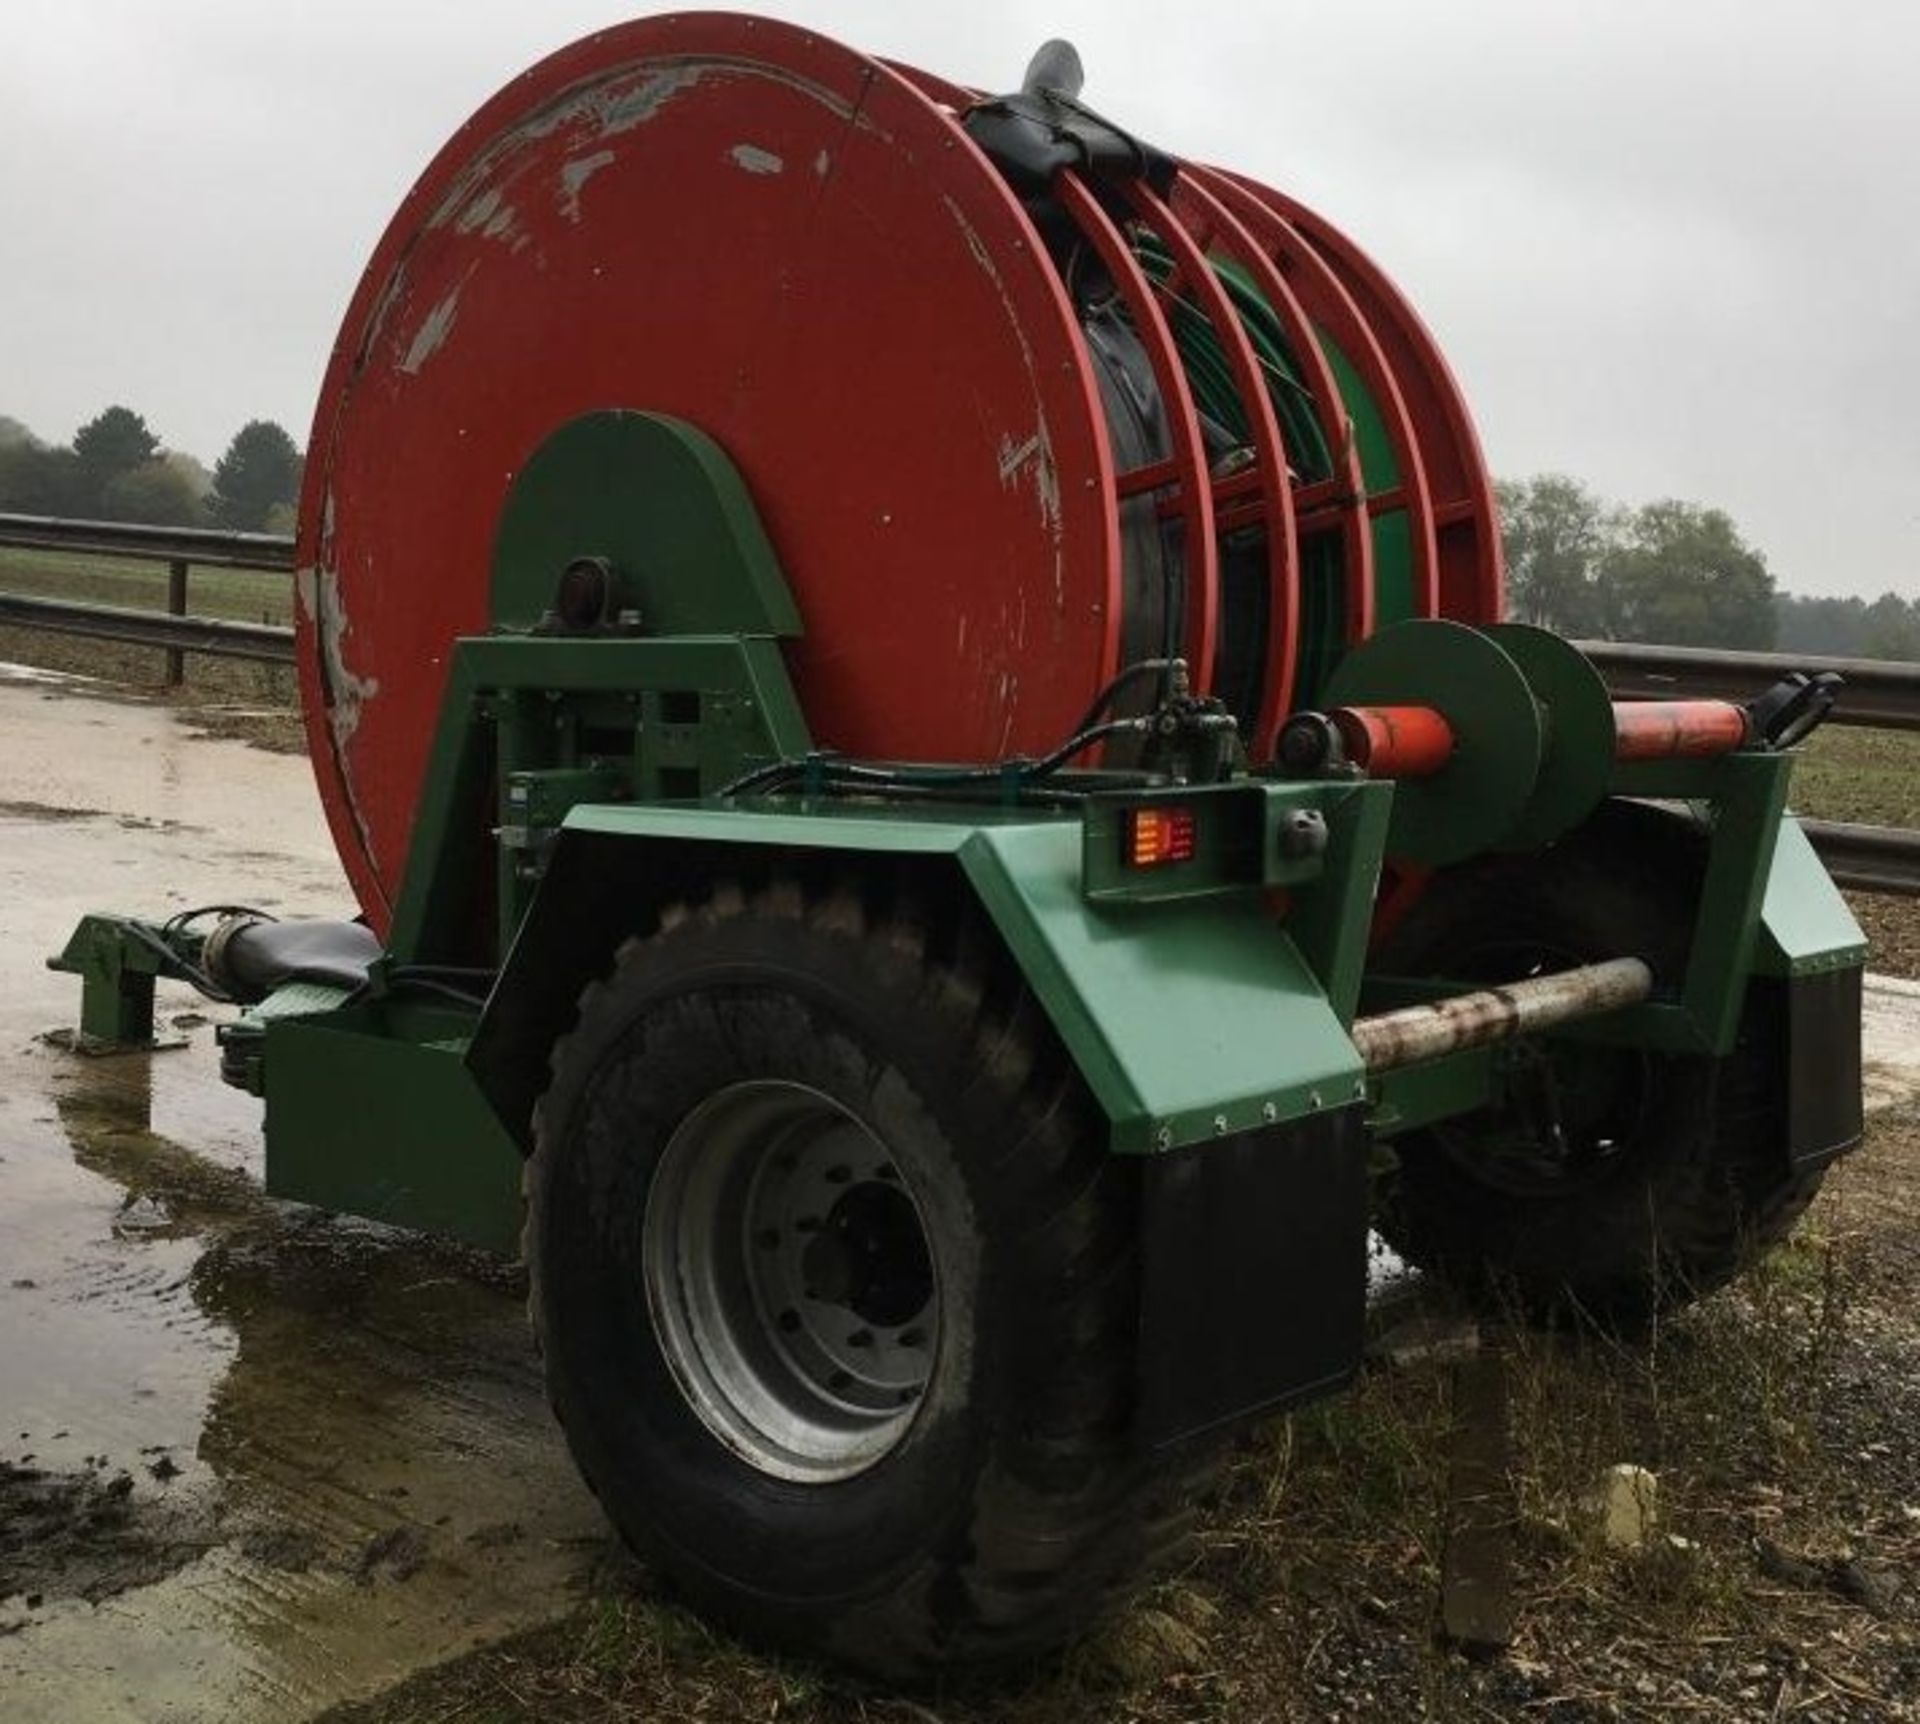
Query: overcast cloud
[[1671, 247]]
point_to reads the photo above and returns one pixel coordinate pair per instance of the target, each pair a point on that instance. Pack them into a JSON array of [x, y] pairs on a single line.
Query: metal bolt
[[1269, 1113], [1313, 1099], [1219, 1125], [1163, 1138]]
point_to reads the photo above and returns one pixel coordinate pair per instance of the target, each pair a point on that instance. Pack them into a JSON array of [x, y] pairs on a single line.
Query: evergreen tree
[[260, 470]]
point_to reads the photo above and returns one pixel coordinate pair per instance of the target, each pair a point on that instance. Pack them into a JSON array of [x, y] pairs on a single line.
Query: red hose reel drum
[[986, 491]]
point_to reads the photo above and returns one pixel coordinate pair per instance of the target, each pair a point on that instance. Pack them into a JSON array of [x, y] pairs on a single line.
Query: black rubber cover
[[263, 956], [1824, 1112], [1253, 1273]]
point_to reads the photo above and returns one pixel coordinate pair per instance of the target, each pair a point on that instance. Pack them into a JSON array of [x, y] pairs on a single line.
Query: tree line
[[116, 469], [1670, 572], [1675, 574]]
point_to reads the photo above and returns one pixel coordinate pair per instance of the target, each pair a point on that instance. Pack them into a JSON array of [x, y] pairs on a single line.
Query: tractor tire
[[836, 1286], [1662, 1175]]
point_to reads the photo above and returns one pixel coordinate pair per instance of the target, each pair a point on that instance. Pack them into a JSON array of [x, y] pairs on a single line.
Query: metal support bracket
[[117, 960]]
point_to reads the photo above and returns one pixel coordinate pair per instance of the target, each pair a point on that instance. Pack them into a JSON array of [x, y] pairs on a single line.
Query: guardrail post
[[176, 607]]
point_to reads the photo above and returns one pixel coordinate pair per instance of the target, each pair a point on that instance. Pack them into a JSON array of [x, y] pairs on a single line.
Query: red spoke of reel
[[1199, 551], [1468, 540], [1322, 298], [1269, 472], [1154, 476]]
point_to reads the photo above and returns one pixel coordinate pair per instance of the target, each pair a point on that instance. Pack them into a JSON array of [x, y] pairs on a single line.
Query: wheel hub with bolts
[[790, 1281]]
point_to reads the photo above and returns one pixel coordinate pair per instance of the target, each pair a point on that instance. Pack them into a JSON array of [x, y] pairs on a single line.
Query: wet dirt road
[[253, 1460]]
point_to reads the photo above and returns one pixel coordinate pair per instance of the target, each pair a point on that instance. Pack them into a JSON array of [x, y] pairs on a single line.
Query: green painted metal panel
[[658, 500], [1749, 801], [825, 825], [1410, 1097], [1189, 1019], [514, 702], [1331, 918], [371, 1111], [1805, 925]]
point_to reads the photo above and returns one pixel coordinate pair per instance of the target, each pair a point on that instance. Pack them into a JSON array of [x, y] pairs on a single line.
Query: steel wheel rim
[[791, 1281]]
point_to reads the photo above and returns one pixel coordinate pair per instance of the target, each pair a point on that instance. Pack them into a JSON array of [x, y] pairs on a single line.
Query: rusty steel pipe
[[1414, 1033]]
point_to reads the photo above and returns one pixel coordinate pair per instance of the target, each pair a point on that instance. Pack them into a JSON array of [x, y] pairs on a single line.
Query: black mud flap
[[1821, 1069], [1254, 1283]]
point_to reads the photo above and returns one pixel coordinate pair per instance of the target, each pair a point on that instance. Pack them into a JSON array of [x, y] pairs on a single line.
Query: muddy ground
[[253, 1460]]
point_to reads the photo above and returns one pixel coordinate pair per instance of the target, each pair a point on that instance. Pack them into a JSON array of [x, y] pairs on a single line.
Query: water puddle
[[253, 1459]]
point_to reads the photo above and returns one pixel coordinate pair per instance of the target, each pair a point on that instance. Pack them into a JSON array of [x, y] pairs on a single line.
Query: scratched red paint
[[866, 327]]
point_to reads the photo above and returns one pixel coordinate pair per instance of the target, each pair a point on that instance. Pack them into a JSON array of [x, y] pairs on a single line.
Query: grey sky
[[1673, 248]]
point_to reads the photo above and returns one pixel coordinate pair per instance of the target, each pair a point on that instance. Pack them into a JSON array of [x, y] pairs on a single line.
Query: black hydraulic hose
[[1121, 683], [177, 967], [1017, 771]]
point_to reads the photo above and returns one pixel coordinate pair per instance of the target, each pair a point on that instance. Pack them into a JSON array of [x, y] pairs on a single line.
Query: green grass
[[1872, 776]]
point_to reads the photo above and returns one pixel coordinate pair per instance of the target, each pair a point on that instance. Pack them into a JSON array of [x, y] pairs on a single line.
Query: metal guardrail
[[173, 629], [1883, 694], [271, 642], [1878, 693], [1868, 858], [209, 546]]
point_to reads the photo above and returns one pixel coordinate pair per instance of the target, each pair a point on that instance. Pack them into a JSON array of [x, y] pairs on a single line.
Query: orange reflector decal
[[1157, 835]]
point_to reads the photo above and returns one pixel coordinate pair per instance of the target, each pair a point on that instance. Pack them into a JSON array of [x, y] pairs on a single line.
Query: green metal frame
[[1767, 908], [371, 1107], [1744, 797], [1743, 800], [1200, 999], [371, 1111], [527, 721]]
